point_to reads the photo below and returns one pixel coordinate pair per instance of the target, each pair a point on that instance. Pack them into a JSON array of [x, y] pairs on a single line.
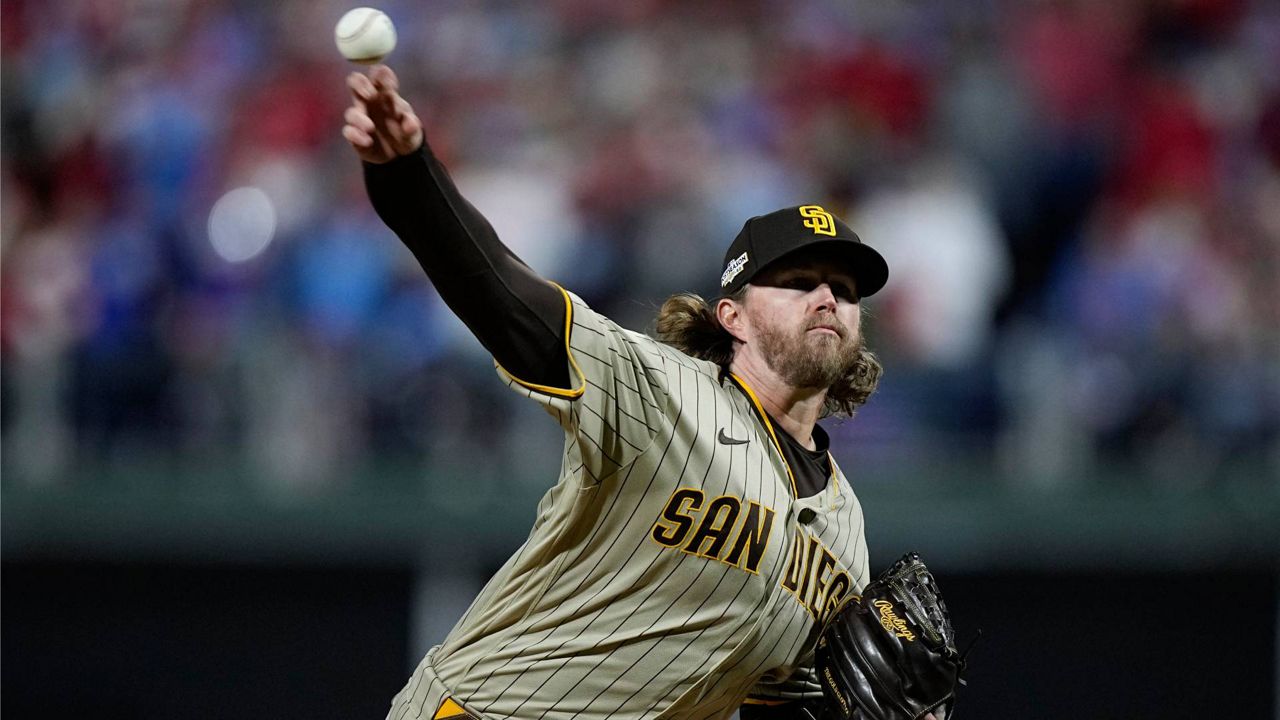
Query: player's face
[[806, 320]]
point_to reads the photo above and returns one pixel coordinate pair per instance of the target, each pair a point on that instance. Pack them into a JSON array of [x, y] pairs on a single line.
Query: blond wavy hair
[[689, 324]]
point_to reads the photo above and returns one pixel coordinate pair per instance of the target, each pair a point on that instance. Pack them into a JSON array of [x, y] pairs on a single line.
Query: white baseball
[[365, 35]]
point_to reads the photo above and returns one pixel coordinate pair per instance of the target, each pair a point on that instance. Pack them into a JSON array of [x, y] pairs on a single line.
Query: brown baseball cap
[[765, 239]]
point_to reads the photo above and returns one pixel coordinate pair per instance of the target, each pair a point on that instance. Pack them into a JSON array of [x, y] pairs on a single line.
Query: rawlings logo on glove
[[891, 622]]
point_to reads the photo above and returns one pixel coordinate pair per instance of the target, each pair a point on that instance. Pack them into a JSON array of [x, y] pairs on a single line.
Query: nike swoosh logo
[[726, 440]]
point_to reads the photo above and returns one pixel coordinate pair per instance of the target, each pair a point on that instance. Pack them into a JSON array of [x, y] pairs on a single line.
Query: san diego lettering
[[724, 530]]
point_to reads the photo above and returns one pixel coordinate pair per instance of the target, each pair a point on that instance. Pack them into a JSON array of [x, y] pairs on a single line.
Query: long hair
[[689, 324]]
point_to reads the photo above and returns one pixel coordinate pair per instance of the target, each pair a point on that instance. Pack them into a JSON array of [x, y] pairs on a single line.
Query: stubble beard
[[809, 360]]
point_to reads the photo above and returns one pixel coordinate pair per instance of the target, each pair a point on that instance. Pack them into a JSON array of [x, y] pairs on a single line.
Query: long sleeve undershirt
[[517, 315]]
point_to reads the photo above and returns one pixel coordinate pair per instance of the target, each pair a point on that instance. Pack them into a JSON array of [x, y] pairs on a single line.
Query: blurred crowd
[[1079, 201]]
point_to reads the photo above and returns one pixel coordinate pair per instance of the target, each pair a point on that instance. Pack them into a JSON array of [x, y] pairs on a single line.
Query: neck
[[796, 409]]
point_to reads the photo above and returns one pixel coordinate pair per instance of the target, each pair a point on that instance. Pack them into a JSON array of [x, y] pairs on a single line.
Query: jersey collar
[[833, 481]]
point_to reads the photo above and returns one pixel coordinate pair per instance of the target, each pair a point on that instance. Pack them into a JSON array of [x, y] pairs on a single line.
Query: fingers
[[401, 109], [370, 109], [410, 126], [384, 78], [359, 119], [359, 130], [362, 89], [379, 123], [357, 137], [376, 93]]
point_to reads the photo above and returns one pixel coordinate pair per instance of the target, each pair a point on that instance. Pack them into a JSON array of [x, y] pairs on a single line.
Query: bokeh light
[[242, 224]]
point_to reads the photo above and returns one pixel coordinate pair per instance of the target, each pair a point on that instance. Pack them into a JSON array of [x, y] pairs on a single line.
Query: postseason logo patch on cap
[[732, 269]]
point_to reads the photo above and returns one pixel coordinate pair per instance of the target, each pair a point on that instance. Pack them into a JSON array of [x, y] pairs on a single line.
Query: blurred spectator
[[1077, 199]]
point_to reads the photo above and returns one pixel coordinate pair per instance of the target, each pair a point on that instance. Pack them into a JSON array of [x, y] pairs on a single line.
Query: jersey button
[[807, 515]]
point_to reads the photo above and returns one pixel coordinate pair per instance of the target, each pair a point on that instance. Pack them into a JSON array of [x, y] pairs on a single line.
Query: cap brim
[[867, 266]]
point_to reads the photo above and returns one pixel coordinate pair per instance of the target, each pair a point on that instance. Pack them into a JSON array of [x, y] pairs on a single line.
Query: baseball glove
[[890, 654]]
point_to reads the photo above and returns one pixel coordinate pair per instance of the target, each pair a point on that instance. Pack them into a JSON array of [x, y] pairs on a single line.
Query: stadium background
[[252, 467]]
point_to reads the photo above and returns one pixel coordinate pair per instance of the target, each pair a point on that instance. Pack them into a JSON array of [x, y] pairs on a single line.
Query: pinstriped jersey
[[671, 572]]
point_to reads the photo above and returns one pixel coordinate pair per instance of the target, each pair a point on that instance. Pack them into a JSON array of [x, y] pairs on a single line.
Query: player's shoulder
[[654, 352], [688, 362]]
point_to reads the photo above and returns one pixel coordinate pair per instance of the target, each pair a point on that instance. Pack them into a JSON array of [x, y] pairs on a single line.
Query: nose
[[825, 297]]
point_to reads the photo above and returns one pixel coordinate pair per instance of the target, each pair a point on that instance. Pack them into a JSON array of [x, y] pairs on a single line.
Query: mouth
[[825, 329]]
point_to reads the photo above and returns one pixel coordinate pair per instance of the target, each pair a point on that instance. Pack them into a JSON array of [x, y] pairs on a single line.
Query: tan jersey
[[671, 571]]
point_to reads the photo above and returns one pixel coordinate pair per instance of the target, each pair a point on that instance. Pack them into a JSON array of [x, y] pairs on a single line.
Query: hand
[[380, 124]]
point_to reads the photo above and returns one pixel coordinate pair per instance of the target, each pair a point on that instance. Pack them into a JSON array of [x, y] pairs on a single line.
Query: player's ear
[[732, 317]]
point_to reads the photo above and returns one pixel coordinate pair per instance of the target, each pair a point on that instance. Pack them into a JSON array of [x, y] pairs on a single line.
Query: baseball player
[[699, 533]]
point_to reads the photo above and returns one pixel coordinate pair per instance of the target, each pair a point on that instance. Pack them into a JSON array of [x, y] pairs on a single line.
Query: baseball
[[365, 35]]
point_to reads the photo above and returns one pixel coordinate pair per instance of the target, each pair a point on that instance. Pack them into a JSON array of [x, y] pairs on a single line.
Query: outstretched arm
[[517, 315]]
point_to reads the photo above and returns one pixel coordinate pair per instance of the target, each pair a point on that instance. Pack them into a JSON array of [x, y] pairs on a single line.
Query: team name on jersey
[[814, 578], [724, 529]]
